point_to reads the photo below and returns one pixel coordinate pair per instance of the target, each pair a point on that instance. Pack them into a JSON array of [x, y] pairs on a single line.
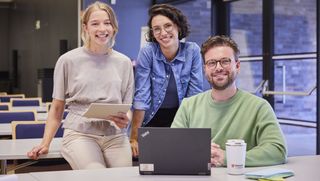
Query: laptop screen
[[174, 151]]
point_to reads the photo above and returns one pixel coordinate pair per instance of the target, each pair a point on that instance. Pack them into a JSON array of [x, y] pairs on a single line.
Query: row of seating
[[24, 122], [6, 97], [9, 116], [19, 102], [25, 125], [30, 129]]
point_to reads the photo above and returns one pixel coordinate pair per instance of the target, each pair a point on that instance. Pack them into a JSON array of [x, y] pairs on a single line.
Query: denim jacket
[[151, 77]]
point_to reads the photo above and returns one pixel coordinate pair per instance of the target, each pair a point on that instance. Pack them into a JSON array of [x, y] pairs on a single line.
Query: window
[[198, 14], [295, 63]]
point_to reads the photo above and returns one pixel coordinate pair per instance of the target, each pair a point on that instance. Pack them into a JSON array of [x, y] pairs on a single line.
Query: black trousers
[[163, 118]]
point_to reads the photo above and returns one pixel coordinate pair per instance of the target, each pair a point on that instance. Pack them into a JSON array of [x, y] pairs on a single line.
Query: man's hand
[[217, 155]]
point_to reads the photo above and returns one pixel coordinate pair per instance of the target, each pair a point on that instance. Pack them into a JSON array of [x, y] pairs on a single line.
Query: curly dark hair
[[174, 14]]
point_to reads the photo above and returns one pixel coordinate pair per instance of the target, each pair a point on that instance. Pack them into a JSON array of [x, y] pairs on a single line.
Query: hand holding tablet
[[106, 111], [103, 110]]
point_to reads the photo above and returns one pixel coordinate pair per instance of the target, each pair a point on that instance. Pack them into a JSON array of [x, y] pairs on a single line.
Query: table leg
[[3, 166]]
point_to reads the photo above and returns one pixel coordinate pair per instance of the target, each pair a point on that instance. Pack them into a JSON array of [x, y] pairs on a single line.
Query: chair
[[15, 102], [4, 106], [65, 114], [35, 129], [48, 105], [3, 93], [31, 129], [6, 98], [9, 116]]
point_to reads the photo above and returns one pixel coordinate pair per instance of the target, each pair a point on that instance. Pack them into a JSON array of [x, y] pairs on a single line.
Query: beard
[[221, 85]]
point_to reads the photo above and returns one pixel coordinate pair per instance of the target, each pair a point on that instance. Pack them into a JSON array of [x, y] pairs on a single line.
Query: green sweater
[[244, 116]]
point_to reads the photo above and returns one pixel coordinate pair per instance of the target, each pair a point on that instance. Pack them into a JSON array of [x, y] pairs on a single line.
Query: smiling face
[[165, 32], [99, 30], [220, 77]]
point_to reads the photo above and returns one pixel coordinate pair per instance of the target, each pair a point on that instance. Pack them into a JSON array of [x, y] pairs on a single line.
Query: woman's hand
[[37, 151], [134, 147], [121, 120]]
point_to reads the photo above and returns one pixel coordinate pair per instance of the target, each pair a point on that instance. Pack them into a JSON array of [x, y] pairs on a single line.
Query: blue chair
[[9, 116], [65, 114], [6, 98], [4, 106], [15, 102], [35, 129], [31, 129]]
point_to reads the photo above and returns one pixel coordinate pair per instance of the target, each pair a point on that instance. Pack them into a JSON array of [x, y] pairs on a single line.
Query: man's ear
[[238, 65]]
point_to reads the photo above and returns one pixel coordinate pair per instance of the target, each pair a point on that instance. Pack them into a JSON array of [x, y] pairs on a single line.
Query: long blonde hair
[[85, 18]]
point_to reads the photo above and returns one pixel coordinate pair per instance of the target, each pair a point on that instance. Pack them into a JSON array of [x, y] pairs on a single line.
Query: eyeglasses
[[224, 62], [167, 27]]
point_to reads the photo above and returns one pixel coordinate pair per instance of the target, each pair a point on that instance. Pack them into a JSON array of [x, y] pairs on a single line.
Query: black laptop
[[174, 151]]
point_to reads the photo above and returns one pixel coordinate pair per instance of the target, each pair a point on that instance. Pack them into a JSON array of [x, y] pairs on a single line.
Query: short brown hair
[[218, 41], [86, 15], [174, 14]]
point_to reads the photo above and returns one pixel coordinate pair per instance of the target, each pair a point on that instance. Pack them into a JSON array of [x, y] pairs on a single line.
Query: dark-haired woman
[[167, 70]]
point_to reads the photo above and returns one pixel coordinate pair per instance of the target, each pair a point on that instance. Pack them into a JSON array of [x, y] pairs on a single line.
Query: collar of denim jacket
[[179, 57]]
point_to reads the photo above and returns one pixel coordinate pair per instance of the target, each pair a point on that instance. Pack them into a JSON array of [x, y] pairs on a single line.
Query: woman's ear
[[84, 27]]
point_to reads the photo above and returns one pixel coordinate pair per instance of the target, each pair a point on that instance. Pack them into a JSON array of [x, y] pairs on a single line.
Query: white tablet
[[103, 110]]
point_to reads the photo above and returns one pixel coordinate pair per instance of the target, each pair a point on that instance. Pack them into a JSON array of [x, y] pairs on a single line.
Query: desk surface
[[304, 167], [27, 108], [17, 149], [26, 177], [42, 116], [23, 177], [5, 129]]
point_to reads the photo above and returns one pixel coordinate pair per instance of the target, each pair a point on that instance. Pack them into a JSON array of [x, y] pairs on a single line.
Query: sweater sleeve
[[128, 84], [271, 146], [142, 95], [60, 78], [181, 119]]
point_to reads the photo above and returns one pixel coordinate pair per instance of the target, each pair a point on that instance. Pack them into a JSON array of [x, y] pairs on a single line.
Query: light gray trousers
[[87, 151]]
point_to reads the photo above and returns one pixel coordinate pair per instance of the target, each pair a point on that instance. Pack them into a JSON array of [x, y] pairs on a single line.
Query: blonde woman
[[91, 73]]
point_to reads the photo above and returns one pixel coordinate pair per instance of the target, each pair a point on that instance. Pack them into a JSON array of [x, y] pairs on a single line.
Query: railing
[[263, 87], [266, 91]]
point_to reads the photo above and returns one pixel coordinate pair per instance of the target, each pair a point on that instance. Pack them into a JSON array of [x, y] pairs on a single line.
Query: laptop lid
[[174, 151]]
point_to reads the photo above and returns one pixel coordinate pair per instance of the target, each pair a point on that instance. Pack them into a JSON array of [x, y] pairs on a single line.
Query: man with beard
[[232, 113]]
